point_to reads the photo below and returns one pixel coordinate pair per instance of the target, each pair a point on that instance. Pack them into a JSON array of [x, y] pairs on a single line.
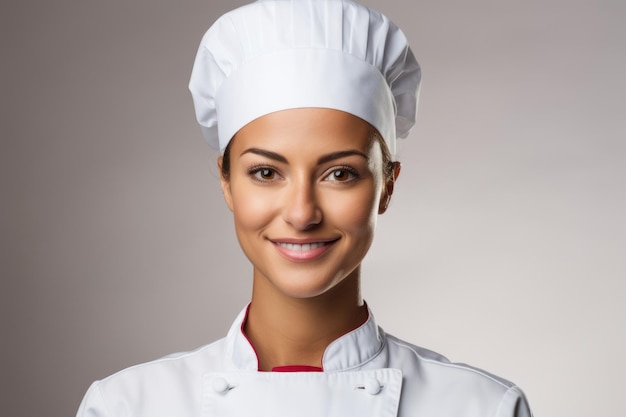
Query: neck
[[296, 331]]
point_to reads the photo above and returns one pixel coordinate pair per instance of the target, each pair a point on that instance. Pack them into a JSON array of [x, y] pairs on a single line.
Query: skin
[[305, 188]]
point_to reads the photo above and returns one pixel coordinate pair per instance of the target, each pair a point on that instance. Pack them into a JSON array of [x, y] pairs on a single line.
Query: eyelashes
[[342, 174], [263, 173], [339, 174]]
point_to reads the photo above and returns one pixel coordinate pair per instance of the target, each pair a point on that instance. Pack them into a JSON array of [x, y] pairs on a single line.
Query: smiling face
[[305, 187]]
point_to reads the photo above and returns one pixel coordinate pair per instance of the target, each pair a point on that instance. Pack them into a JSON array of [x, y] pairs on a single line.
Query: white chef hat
[[274, 55]]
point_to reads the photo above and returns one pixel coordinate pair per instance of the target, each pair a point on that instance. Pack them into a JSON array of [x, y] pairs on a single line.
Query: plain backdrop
[[504, 246]]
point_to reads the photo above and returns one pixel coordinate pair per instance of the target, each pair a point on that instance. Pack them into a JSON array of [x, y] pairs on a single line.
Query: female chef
[[305, 100]]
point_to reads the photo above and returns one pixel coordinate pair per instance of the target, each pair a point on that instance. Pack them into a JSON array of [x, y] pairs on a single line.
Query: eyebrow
[[268, 154], [340, 154], [323, 159]]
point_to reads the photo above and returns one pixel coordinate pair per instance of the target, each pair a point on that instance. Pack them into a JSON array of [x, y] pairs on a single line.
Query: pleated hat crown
[[274, 55]]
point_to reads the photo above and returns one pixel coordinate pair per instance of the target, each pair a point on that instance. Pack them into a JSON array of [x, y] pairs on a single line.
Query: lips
[[304, 251]]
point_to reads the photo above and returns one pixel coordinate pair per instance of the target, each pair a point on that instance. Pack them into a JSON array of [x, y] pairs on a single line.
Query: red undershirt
[[297, 368]]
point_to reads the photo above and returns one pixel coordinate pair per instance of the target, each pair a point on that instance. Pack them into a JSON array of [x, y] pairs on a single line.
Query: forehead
[[305, 130]]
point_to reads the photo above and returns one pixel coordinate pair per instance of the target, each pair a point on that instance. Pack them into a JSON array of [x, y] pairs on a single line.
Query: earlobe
[[388, 189], [225, 185]]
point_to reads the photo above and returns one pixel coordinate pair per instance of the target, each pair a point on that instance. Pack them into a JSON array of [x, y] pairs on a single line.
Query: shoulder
[[434, 383], [166, 386], [175, 365], [429, 360]]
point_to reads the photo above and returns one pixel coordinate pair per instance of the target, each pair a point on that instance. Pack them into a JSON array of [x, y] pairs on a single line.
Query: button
[[372, 386], [220, 385]]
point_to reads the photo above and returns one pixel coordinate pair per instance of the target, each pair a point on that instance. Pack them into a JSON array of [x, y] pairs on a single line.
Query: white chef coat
[[366, 373]]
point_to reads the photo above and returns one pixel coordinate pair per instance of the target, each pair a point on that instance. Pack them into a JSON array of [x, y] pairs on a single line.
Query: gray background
[[504, 246]]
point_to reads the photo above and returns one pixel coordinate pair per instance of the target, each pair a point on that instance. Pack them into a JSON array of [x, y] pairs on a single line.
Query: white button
[[220, 385], [372, 386]]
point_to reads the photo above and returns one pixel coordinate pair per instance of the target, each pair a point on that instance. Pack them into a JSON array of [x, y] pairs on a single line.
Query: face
[[305, 187]]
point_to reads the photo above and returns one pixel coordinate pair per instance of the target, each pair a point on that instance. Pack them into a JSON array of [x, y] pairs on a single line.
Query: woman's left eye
[[342, 175]]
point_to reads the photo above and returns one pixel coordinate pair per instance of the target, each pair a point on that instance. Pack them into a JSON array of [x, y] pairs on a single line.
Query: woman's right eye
[[264, 174]]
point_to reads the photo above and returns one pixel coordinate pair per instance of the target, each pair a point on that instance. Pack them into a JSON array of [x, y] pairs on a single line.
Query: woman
[[305, 100]]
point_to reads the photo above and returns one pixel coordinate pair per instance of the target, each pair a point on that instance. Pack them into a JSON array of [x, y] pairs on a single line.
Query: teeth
[[301, 247]]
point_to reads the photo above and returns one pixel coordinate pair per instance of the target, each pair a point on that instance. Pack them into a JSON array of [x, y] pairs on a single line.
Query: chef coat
[[366, 373]]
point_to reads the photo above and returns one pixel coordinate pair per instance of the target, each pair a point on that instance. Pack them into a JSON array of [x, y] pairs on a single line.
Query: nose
[[302, 210]]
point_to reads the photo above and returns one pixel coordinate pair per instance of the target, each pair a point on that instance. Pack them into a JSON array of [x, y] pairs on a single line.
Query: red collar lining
[[297, 368]]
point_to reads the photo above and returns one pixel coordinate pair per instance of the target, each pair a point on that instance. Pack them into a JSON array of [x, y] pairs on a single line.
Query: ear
[[225, 184], [385, 198]]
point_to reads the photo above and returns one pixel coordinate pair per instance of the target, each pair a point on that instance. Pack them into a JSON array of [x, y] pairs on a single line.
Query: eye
[[263, 174], [343, 174]]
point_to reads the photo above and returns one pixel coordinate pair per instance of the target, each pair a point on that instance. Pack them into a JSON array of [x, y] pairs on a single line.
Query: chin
[[301, 284], [301, 289]]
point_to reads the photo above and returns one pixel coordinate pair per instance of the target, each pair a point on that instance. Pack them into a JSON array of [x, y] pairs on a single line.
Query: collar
[[352, 350]]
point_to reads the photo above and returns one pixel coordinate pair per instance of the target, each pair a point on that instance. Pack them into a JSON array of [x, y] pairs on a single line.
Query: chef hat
[[274, 55]]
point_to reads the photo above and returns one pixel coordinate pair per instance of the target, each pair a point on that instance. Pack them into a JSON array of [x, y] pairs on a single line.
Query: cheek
[[354, 212], [251, 210]]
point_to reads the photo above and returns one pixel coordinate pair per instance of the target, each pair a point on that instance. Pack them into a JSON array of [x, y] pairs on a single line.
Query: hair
[[388, 162]]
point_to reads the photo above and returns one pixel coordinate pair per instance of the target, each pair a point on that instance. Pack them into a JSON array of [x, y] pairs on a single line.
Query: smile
[[303, 252], [301, 247]]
